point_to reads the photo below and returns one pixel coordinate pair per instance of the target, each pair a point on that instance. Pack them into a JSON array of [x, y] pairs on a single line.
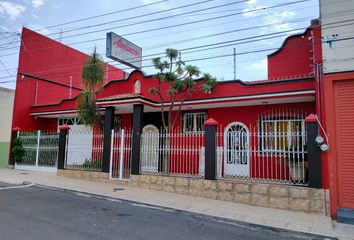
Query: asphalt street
[[41, 213]]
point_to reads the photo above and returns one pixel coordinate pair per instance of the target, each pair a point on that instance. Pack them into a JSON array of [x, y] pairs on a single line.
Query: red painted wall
[[46, 58], [331, 160], [295, 57]]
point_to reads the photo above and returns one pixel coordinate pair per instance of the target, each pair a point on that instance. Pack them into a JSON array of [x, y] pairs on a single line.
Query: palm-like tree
[[92, 79]]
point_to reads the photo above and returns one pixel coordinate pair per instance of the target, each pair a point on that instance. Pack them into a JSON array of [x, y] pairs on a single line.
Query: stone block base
[[286, 197], [84, 175]]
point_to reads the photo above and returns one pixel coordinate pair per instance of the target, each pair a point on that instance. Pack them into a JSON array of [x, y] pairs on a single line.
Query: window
[[193, 122], [279, 135], [69, 121]]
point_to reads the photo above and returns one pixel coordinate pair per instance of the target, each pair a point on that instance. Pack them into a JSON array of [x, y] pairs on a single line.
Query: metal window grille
[[69, 121], [193, 122]]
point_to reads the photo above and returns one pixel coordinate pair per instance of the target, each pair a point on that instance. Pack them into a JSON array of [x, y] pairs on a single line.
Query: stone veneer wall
[[84, 175], [259, 194]]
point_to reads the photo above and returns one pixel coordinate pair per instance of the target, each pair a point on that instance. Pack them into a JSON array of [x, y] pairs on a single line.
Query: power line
[[222, 33], [257, 9], [228, 55], [183, 24], [157, 12], [177, 25], [213, 57], [210, 35], [102, 15], [255, 39], [215, 45]]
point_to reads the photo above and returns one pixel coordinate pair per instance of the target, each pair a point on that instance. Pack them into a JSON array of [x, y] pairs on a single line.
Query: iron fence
[[172, 153], [84, 149], [41, 148], [120, 158], [268, 155]]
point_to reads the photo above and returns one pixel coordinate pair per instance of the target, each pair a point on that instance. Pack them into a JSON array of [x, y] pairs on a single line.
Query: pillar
[[313, 152], [62, 145], [210, 148], [108, 126], [138, 111]]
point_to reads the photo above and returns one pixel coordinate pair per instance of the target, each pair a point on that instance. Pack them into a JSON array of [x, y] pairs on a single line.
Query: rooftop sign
[[123, 51]]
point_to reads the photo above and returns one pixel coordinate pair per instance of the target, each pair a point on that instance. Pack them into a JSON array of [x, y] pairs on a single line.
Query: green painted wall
[[4, 153]]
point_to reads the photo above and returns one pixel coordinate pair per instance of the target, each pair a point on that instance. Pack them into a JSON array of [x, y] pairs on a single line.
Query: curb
[[253, 226]]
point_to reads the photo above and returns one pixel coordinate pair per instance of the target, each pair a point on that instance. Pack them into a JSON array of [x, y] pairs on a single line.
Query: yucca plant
[[92, 79]]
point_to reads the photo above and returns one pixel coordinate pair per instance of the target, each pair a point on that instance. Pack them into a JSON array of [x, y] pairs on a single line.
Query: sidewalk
[[310, 223]]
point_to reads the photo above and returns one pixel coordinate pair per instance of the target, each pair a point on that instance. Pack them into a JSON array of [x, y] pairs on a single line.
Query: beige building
[[6, 108], [337, 35]]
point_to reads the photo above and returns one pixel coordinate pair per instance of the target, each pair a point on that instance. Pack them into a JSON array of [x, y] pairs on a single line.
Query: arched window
[[137, 87]]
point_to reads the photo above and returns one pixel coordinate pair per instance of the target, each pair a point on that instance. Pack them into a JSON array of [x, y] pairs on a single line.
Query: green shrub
[[96, 164], [18, 152]]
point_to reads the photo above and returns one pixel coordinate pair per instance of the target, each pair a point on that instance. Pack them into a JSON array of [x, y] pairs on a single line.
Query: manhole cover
[[24, 173], [118, 189]]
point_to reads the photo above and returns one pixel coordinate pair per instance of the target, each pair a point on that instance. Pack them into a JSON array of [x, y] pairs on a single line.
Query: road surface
[[41, 213]]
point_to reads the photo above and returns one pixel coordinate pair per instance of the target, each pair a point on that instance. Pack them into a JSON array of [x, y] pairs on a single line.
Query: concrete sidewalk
[[297, 221]]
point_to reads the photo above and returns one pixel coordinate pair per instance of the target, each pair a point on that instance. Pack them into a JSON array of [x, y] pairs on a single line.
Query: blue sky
[[250, 15]]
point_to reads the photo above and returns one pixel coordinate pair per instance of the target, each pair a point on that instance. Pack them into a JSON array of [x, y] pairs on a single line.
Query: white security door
[[149, 149], [236, 152], [79, 148]]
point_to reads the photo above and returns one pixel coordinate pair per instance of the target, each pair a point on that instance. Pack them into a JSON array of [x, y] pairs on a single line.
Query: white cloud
[[37, 3], [42, 31], [277, 18], [13, 10], [4, 28], [252, 2], [258, 66]]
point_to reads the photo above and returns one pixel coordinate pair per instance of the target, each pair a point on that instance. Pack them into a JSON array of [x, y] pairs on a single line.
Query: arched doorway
[[236, 150], [149, 149]]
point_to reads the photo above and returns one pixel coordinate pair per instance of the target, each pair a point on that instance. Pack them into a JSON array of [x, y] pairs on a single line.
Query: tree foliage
[[92, 79], [18, 152], [182, 80]]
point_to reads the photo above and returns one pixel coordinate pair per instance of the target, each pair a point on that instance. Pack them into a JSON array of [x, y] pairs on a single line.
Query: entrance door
[[344, 102], [236, 152], [149, 149]]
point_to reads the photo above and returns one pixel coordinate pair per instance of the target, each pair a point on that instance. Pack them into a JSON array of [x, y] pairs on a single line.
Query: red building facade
[[270, 112]]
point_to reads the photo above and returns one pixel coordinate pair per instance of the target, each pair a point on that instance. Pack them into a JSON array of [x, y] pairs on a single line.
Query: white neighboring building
[[337, 35], [6, 109]]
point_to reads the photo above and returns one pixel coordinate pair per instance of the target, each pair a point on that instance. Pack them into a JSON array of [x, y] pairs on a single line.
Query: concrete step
[[345, 215]]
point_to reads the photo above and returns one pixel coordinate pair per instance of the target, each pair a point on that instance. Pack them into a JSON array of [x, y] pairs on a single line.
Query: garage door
[[344, 115]]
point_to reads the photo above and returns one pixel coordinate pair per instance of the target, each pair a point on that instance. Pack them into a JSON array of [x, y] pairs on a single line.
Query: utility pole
[[106, 73], [71, 86], [234, 63], [61, 35]]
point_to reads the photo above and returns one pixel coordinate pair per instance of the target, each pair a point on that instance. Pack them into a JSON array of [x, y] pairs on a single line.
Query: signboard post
[[123, 51]]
